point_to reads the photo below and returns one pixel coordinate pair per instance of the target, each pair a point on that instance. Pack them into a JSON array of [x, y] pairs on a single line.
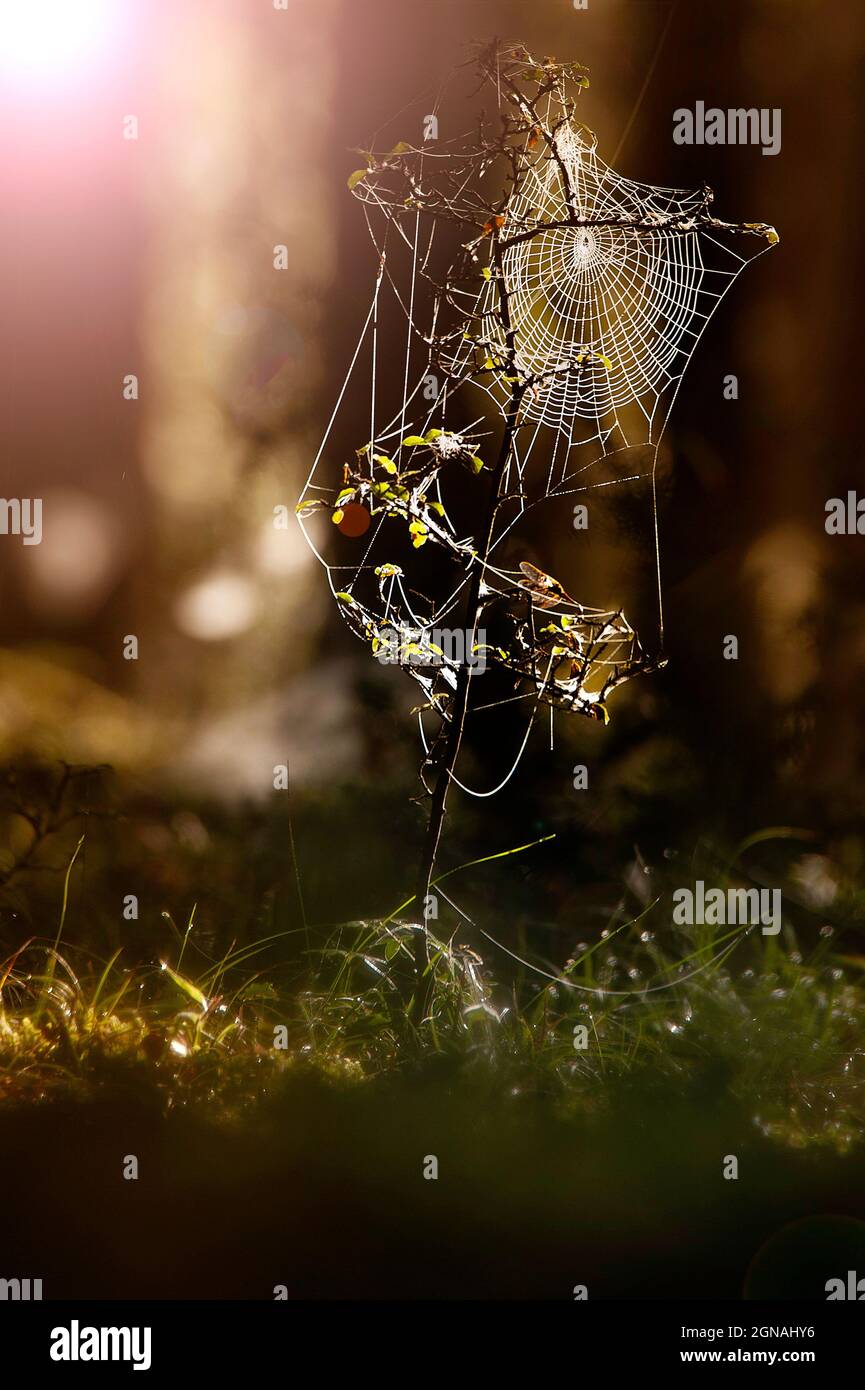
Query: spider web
[[631, 301], [609, 284]]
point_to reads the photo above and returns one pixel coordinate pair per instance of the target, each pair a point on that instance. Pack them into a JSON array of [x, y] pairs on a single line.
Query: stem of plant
[[473, 610]]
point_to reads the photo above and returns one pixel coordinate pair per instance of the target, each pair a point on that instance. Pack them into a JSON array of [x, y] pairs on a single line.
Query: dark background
[[155, 256]]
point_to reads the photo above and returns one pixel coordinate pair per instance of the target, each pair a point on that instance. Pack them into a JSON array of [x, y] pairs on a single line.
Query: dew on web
[[570, 300]]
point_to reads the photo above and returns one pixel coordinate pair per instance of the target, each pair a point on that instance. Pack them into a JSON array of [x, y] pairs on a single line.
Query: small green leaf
[[259, 989], [412, 440], [345, 598], [186, 985], [355, 178]]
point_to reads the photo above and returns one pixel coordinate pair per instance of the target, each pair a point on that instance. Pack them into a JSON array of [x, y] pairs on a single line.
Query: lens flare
[[53, 38]]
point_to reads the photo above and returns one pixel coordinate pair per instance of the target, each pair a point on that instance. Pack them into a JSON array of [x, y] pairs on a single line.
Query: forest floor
[[673, 1111]]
